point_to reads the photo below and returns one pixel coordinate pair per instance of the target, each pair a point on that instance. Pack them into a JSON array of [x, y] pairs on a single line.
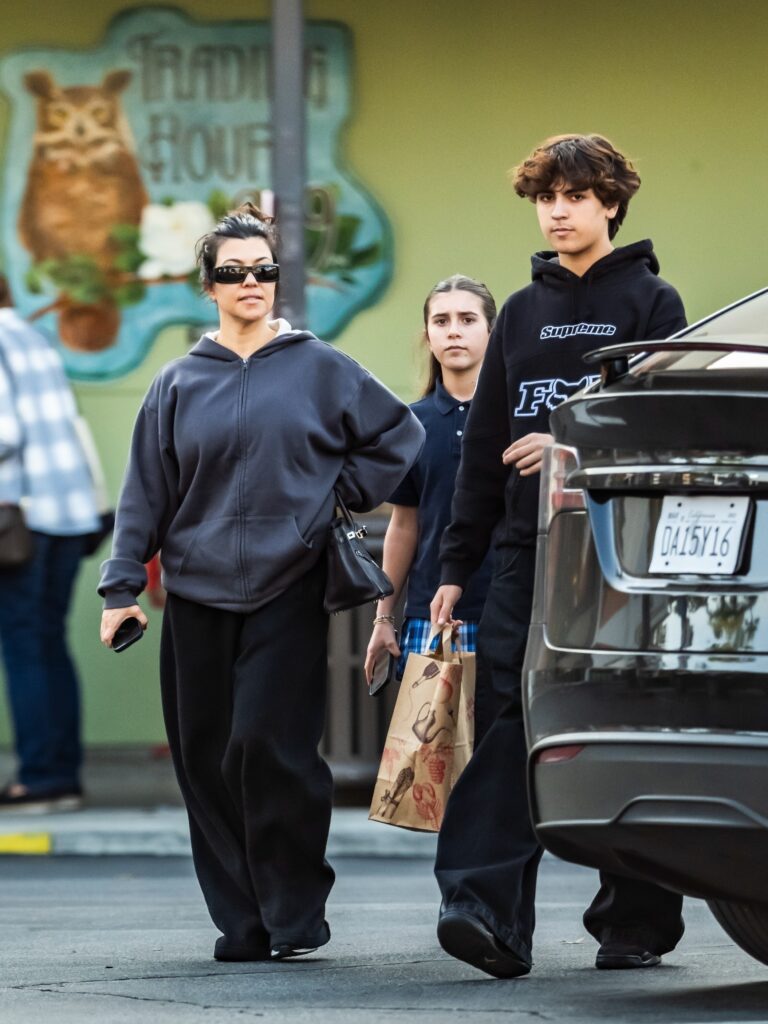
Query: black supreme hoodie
[[534, 362], [233, 464]]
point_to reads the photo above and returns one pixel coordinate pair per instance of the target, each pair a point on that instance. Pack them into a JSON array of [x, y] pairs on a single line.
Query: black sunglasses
[[235, 274]]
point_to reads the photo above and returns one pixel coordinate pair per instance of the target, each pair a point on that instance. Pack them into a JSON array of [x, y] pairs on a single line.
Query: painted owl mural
[[120, 157], [82, 181]]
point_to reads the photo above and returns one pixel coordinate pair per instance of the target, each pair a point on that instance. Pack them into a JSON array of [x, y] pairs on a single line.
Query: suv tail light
[[558, 463], [556, 755]]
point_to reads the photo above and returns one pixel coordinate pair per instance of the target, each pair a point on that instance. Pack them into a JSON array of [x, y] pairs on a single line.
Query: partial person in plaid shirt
[[458, 315], [43, 468]]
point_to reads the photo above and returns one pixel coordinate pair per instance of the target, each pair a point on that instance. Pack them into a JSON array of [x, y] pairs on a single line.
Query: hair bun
[[249, 209]]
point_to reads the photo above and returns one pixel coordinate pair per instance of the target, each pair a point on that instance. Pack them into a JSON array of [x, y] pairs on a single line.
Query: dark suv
[[646, 674]]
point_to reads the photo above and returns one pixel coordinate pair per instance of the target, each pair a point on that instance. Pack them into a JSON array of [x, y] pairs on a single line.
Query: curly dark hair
[[579, 162], [247, 221]]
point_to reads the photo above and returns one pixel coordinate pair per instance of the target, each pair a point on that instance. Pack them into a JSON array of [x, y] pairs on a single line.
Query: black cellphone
[[384, 671], [127, 633]]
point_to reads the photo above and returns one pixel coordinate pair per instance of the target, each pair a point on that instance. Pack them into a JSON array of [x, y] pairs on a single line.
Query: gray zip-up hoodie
[[233, 463]]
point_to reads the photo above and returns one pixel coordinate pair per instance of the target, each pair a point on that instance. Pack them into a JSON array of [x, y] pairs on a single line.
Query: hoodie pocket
[[275, 553], [241, 558]]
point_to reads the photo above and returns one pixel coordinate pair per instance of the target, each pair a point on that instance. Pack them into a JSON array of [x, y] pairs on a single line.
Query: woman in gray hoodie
[[235, 454]]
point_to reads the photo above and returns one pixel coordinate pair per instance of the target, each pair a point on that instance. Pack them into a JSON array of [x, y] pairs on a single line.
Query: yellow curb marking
[[26, 842]]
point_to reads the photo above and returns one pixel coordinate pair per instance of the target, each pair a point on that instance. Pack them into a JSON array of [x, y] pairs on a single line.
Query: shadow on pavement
[[745, 1002]]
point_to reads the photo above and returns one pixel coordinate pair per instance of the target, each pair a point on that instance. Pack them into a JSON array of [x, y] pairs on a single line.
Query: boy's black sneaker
[[624, 956], [465, 937], [20, 800]]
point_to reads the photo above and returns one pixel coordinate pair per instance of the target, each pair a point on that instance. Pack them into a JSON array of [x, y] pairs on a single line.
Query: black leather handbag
[[15, 538], [353, 576]]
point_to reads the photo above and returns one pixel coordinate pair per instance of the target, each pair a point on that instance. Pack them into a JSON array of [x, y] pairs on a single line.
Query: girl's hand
[[112, 617], [443, 603], [525, 453], [382, 639]]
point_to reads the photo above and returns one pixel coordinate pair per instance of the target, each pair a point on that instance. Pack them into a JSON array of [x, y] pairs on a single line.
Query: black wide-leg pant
[[487, 854], [244, 706]]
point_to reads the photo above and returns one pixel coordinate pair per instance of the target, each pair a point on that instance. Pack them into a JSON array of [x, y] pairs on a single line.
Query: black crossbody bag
[[16, 545], [354, 578]]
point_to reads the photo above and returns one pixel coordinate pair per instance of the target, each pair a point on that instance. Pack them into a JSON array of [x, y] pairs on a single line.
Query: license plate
[[700, 534]]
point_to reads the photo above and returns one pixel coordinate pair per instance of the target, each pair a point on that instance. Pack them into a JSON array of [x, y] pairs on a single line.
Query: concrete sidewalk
[[133, 807], [163, 832]]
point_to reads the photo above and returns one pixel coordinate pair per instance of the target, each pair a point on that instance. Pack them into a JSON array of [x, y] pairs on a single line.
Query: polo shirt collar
[[444, 402]]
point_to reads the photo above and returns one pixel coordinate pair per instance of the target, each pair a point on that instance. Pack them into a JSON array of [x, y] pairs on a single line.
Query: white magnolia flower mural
[[167, 237]]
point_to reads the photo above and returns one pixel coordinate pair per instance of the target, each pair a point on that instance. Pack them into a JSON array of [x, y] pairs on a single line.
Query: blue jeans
[[42, 684]]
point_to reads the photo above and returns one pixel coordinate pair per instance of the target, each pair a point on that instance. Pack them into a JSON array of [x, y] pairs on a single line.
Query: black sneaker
[[229, 953], [465, 937], [20, 800], [624, 956], [284, 950]]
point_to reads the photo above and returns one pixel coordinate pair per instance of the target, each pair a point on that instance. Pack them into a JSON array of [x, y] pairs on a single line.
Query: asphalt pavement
[[124, 940]]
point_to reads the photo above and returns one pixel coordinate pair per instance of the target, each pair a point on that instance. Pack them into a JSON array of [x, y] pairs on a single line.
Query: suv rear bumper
[[688, 812]]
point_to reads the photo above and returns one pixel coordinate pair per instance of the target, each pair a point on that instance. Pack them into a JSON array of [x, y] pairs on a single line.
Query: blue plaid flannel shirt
[[42, 464], [415, 636]]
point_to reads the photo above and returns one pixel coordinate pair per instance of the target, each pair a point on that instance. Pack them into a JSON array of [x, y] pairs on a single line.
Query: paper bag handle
[[448, 639]]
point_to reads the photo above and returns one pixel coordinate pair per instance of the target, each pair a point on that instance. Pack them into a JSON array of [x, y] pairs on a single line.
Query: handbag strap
[[353, 528], [346, 514]]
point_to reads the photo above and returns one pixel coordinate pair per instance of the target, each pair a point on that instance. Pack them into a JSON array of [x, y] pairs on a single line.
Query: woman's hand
[[443, 603], [382, 639], [112, 617], [526, 452]]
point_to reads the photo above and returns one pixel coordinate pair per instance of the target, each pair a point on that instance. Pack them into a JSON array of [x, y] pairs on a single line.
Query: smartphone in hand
[[127, 633], [384, 671]]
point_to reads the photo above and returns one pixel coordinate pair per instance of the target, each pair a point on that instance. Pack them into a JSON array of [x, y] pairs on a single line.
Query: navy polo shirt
[[429, 487]]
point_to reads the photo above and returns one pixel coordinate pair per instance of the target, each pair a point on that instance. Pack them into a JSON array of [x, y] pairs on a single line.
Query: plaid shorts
[[416, 634]]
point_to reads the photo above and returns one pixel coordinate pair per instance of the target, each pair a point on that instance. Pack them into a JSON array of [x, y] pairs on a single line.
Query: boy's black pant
[[487, 853], [244, 707]]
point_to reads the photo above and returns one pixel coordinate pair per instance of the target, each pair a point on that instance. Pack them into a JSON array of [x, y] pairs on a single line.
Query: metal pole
[[288, 153]]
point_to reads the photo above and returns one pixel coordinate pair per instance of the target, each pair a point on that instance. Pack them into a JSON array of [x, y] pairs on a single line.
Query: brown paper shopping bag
[[429, 740]]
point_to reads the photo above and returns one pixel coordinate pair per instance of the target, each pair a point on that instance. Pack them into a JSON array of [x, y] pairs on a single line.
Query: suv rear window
[[747, 321]]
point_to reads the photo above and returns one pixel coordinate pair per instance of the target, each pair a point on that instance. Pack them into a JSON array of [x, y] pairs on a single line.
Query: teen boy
[[584, 293]]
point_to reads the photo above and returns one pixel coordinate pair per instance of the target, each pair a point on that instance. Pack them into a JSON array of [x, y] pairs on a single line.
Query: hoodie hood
[[546, 266], [208, 347]]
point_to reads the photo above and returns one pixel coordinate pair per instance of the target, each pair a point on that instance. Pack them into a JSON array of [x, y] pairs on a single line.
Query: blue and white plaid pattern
[[415, 636], [42, 464]]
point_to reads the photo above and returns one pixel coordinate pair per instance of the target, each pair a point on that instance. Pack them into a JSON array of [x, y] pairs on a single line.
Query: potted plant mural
[[89, 293]]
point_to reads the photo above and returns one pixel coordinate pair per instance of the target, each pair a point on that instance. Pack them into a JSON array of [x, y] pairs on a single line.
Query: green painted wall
[[448, 97]]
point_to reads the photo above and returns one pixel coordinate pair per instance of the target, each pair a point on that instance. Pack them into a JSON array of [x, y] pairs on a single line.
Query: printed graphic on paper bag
[[390, 800], [437, 761], [391, 755], [427, 804], [430, 671], [119, 158], [437, 715]]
